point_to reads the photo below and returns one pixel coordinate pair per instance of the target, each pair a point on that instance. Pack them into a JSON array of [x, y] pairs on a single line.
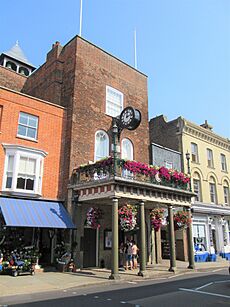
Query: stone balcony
[[130, 180]]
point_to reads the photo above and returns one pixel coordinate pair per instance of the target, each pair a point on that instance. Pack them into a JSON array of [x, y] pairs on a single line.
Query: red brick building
[[45, 140], [31, 172], [77, 76], [95, 87]]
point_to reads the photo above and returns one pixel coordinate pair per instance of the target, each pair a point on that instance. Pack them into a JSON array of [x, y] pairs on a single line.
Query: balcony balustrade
[[108, 169]]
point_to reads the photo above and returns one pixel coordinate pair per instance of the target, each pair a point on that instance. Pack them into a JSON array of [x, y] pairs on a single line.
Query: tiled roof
[[16, 53]]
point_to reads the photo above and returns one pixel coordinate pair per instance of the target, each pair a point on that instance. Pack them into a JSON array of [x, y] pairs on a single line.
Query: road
[[198, 289]]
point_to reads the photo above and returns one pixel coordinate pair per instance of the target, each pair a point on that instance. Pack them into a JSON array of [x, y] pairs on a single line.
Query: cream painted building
[[210, 172]]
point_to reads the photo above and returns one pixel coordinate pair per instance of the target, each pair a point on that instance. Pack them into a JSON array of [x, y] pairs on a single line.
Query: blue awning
[[34, 213]]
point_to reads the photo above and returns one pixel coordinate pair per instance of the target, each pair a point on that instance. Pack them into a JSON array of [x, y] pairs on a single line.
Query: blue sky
[[182, 45]]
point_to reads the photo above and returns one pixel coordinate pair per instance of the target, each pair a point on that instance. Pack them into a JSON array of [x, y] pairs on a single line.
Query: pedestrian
[[135, 250], [128, 251], [121, 255]]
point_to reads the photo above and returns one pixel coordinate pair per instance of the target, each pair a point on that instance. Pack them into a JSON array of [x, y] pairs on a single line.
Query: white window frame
[[21, 151], [212, 190], [106, 144], [197, 189], [223, 162], [126, 173], [210, 157], [226, 194], [27, 126], [127, 141], [194, 153], [110, 102]]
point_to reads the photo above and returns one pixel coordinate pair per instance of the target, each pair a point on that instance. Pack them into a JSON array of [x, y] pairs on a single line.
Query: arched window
[[24, 71], [101, 145], [212, 189], [126, 149], [197, 186], [11, 65], [226, 193]]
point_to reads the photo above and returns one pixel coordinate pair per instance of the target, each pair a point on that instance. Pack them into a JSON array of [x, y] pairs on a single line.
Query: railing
[[104, 170]]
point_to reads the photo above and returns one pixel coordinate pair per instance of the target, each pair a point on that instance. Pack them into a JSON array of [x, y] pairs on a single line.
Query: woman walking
[[135, 250]]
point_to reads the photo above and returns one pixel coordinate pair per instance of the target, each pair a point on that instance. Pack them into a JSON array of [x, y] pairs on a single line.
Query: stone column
[[190, 242], [114, 267], [142, 271], [158, 246], [153, 249], [171, 240]]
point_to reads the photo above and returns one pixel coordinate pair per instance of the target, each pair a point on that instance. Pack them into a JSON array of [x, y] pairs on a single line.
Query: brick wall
[[11, 79], [51, 133], [94, 70], [76, 76], [165, 133]]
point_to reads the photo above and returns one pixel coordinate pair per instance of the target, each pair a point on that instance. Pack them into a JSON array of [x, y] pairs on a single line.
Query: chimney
[[54, 53], [206, 125]]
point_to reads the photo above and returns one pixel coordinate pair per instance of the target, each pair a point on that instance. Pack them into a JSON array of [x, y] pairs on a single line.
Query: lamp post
[[188, 159], [189, 230], [189, 170], [114, 149]]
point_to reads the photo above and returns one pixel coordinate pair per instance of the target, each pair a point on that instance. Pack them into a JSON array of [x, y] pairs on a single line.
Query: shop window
[[210, 158], [114, 101], [212, 189], [23, 170], [194, 151], [101, 145], [223, 163], [199, 237], [27, 126]]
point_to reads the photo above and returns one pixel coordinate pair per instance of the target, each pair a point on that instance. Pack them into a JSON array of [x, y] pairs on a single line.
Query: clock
[[130, 118]]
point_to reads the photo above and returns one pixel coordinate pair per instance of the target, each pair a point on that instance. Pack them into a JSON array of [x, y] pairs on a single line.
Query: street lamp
[[189, 170], [188, 159], [114, 149]]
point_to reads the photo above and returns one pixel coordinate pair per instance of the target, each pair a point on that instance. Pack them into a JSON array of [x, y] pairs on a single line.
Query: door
[[90, 236], [214, 239]]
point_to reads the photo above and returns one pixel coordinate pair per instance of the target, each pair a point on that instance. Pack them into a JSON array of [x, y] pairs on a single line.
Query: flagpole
[[80, 27], [135, 49]]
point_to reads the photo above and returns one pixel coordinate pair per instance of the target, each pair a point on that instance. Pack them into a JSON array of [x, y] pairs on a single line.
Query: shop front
[[36, 229], [211, 229]]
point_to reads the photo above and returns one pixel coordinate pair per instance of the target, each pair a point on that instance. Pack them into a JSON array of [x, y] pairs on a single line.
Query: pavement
[[53, 281]]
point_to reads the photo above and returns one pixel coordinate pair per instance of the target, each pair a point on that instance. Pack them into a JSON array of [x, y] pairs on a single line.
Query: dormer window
[[24, 71], [11, 65], [16, 60]]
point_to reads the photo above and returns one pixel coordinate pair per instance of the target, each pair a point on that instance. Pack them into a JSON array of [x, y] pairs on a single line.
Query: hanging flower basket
[[181, 220], [150, 173], [128, 217], [92, 217], [156, 218]]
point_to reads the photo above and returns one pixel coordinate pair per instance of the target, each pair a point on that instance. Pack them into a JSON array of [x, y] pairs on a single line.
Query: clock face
[[130, 118], [127, 117]]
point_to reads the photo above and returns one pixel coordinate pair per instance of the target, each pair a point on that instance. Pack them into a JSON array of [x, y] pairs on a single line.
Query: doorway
[[90, 247], [214, 239]]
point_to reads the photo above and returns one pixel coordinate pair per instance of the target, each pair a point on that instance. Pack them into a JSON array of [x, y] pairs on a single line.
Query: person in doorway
[[128, 252], [121, 255], [135, 250]]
